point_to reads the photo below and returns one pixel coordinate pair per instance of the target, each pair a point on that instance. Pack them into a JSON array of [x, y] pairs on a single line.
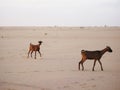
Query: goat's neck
[[103, 51]]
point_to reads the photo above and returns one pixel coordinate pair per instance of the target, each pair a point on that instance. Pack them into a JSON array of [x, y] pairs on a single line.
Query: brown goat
[[34, 48], [93, 55]]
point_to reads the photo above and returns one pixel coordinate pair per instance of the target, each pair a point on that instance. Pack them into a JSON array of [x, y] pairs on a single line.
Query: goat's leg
[[82, 65], [94, 65], [40, 53], [81, 62], [100, 65], [28, 54], [79, 65], [35, 54], [31, 53]]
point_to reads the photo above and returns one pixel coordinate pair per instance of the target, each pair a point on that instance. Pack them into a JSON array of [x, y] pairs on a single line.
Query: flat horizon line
[[59, 26]]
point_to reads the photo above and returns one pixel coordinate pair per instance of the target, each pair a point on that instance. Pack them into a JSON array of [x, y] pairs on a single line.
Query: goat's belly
[[90, 58]]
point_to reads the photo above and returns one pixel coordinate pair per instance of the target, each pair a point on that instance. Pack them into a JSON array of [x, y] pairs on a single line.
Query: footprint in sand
[[10, 89], [85, 85], [64, 87], [2, 58]]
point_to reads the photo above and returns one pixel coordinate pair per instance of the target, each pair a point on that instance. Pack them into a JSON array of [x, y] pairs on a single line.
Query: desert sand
[[57, 69]]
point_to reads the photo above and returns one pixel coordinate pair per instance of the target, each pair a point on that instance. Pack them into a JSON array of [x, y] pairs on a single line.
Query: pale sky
[[59, 12]]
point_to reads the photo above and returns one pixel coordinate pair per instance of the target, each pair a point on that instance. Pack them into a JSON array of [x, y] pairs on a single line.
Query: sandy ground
[[57, 69]]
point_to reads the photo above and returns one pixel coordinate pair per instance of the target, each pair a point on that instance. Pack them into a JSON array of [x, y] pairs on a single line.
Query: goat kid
[[34, 48], [93, 55]]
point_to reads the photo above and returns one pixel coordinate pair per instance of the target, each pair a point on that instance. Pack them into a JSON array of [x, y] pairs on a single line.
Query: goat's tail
[[30, 44]]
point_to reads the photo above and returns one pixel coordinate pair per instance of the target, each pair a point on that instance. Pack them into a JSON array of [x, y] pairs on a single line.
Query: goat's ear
[[40, 42], [107, 46]]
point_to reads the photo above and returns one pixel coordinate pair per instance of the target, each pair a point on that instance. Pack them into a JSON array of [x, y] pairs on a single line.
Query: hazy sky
[[60, 12]]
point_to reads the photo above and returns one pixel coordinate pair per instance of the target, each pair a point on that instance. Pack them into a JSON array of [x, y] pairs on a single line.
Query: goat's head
[[108, 49], [40, 42]]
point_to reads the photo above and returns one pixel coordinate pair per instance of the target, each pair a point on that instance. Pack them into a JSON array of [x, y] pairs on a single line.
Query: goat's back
[[91, 54], [34, 47]]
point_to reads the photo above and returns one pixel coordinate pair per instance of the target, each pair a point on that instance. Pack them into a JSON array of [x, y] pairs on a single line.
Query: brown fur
[[34, 48], [93, 55]]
